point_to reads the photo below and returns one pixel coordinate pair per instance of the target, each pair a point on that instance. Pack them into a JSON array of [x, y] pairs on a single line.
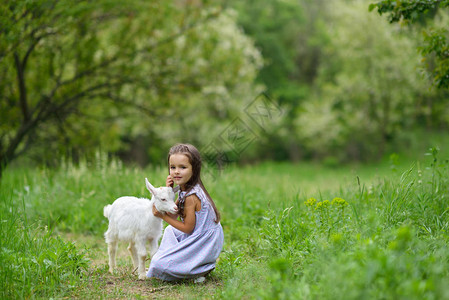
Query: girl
[[190, 246]]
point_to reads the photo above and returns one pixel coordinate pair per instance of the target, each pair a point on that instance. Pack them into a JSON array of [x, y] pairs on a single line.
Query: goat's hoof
[[142, 276]]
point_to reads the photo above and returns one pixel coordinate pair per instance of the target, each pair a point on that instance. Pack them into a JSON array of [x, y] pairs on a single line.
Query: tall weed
[[385, 240], [35, 263]]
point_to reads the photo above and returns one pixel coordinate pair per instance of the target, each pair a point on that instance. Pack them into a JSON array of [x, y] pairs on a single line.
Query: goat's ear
[[176, 189], [150, 187]]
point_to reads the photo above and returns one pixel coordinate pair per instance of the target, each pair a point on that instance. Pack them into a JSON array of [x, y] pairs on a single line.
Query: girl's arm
[[191, 204]]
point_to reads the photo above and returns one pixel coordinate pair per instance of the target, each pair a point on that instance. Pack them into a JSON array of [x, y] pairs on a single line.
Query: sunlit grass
[[372, 231]]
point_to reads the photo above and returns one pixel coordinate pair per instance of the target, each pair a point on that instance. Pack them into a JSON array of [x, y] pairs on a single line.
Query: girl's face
[[180, 169]]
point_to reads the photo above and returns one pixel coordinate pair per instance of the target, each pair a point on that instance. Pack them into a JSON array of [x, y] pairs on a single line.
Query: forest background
[[316, 113], [244, 81]]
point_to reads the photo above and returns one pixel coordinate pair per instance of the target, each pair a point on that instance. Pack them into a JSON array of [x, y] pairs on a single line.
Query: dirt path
[[123, 283]]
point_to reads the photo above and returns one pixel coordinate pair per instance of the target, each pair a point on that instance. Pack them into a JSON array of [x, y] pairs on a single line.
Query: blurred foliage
[[436, 44], [364, 83], [80, 75], [366, 89], [290, 36], [216, 65], [282, 30], [133, 78]]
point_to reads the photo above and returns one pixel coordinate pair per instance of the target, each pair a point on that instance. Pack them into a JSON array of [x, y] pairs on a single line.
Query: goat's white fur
[[131, 220]]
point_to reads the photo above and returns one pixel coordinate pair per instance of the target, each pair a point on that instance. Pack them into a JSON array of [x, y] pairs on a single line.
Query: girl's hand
[[157, 213], [169, 181]]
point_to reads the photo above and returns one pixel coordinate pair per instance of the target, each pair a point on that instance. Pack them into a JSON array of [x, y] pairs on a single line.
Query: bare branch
[[181, 32], [121, 100], [29, 142], [22, 88]]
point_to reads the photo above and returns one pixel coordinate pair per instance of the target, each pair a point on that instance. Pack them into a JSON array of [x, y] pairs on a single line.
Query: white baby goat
[[131, 219]]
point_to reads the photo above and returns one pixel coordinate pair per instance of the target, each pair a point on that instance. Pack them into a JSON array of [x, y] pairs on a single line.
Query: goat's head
[[164, 198]]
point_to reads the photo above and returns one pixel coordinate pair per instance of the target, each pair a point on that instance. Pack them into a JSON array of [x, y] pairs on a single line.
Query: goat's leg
[[154, 247], [142, 255], [112, 249], [133, 251]]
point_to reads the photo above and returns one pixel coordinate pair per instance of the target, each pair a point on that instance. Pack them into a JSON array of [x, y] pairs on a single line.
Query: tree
[[289, 35], [68, 67], [215, 66], [436, 41], [367, 87]]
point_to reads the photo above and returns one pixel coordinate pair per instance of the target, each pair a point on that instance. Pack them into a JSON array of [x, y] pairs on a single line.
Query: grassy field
[[292, 231]]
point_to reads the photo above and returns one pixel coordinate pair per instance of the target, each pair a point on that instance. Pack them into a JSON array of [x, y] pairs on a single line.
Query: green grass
[[371, 231], [35, 263]]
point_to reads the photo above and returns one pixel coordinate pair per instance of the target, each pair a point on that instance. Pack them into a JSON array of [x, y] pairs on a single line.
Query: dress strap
[[193, 190]]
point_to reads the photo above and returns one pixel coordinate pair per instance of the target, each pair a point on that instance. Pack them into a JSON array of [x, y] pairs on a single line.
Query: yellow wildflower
[[339, 201], [322, 204], [310, 202]]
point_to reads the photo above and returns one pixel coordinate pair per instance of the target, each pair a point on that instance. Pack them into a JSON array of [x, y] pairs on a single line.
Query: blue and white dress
[[182, 255]]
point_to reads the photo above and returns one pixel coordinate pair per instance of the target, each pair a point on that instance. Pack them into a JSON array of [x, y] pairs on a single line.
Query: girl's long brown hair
[[195, 160]]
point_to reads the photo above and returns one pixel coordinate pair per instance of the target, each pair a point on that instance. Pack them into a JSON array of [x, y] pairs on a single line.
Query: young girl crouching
[[190, 245]]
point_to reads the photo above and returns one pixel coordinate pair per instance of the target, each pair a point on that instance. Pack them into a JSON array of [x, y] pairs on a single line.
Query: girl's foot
[[199, 279]]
